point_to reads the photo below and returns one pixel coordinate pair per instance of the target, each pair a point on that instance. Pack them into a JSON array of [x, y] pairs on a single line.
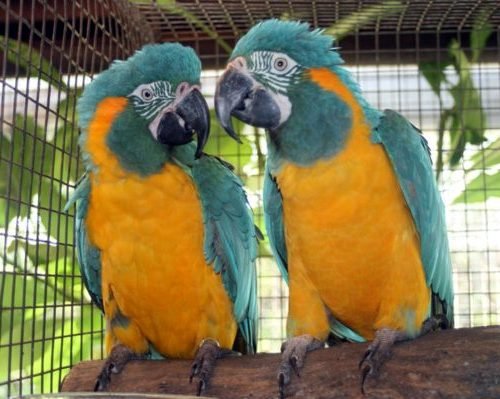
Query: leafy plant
[[484, 185], [40, 297], [465, 120]]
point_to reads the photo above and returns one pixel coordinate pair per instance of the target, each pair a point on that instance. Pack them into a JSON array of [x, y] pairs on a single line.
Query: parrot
[[164, 232], [353, 214]]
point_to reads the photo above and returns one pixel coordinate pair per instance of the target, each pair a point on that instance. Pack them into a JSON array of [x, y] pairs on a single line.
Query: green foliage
[[37, 169], [43, 307], [32, 62], [41, 336], [484, 185], [465, 121]]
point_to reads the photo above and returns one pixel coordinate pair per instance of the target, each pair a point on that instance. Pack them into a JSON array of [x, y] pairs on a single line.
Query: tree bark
[[462, 363]]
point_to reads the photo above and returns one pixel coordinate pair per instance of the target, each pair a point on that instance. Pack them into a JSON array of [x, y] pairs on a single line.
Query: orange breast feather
[[150, 234], [351, 241]]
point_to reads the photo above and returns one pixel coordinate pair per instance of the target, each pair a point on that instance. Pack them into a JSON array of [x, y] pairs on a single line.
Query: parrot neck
[[325, 113], [117, 142]]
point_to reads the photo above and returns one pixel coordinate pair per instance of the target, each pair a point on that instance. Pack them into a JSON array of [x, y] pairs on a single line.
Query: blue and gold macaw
[[352, 210], [165, 237]]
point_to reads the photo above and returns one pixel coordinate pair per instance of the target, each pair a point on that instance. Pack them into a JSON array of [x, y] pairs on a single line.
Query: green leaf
[[433, 72], [368, 14], [487, 157], [39, 334], [480, 189], [458, 141], [22, 54], [22, 155], [469, 119], [443, 123], [481, 31], [56, 274]]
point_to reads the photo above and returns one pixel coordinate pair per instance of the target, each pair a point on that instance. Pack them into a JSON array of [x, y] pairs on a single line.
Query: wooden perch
[[463, 363]]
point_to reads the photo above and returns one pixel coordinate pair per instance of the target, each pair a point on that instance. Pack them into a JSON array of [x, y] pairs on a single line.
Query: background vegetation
[[47, 321]]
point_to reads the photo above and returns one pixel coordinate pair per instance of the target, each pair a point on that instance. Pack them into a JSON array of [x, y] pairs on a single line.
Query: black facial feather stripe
[[161, 95], [261, 65]]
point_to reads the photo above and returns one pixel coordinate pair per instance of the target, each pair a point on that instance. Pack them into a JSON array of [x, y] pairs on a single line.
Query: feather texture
[[89, 257], [409, 153]]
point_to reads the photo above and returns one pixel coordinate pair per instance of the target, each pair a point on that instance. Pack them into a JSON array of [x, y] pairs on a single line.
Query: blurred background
[[437, 63]]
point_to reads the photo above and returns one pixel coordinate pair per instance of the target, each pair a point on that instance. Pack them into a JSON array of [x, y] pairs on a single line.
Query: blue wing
[[273, 218], [230, 239], [409, 154], [89, 257]]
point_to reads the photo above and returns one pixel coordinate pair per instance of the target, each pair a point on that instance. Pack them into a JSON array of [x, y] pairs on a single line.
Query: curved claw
[[116, 361], [201, 387], [204, 364], [281, 385], [294, 353], [377, 352], [103, 379], [295, 367], [365, 357], [194, 371], [367, 370]]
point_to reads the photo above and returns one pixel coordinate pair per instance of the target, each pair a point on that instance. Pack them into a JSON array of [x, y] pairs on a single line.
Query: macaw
[[352, 211], [164, 233]]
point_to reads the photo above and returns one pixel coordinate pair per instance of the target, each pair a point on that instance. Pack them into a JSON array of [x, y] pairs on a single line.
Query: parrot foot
[[433, 323], [378, 352], [116, 361], [294, 353], [204, 362]]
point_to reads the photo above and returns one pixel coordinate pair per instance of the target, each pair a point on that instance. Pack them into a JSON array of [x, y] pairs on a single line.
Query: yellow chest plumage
[[150, 234], [351, 241]]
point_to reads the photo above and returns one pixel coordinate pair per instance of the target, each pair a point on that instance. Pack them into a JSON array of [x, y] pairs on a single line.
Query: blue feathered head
[[162, 107]]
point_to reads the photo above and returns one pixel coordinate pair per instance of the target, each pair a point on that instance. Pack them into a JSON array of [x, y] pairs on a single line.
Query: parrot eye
[[280, 64], [146, 94]]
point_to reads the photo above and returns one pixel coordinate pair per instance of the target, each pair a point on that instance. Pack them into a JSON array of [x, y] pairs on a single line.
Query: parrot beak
[[239, 95], [188, 115]]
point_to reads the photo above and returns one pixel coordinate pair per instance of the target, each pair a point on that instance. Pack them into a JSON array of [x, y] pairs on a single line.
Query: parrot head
[[161, 106], [270, 82]]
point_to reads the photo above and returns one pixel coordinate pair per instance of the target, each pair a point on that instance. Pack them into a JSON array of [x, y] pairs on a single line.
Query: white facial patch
[[150, 98], [284, 105]]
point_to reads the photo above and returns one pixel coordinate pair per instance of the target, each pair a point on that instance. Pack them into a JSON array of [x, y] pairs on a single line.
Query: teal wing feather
[[273, 218], [409, 154], [89, 257], [230, 239]]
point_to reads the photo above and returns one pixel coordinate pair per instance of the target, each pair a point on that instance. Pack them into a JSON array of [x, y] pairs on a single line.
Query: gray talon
[[201, 387], [294, 363], [281, 384], [204, 363], [116, 361], [377, 352], [294, 352]]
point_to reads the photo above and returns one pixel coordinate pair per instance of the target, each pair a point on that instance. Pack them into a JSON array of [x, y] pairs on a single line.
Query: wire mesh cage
[[435, 62]]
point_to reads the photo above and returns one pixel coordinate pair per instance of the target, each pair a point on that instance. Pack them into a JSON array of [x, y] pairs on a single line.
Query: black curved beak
[[190, 115], [239, 95]]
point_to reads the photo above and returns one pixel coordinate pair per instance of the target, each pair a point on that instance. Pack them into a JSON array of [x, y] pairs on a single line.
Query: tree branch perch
[[462, 363]]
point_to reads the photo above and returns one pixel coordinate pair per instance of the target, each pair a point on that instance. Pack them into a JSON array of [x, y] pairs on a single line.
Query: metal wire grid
[[47, 50], [230, 19], [86, 36]]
